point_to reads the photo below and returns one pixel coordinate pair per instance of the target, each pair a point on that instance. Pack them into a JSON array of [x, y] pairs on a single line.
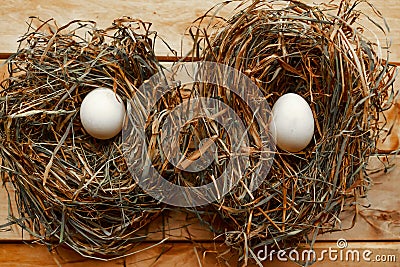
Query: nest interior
[[70, 187]]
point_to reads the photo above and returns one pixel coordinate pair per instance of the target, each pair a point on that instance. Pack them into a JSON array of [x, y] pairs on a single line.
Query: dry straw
[[70, 187], [320, 52]]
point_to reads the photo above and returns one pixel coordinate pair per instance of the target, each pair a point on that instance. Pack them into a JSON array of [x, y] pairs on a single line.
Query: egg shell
[[293, 123], [102, 113]]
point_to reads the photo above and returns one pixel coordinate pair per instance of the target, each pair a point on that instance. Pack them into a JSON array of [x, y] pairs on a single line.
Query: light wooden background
[[189, 243]]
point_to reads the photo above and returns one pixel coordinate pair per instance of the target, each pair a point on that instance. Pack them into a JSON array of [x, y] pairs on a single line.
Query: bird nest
[[322, 53], [70, 187]]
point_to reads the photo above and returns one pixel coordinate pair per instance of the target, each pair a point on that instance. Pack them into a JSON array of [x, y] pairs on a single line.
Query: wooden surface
[[185, 254], [170, 18], [189, 243]]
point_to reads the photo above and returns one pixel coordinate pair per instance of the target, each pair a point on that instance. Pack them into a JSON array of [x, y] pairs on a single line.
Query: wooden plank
[[25, 255], [204, 254], [378, 220], [170, 254], [169, 18]]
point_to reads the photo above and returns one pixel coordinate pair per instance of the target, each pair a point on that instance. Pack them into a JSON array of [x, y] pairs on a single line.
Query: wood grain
[[25, 255], [170, 18], [192, 254]]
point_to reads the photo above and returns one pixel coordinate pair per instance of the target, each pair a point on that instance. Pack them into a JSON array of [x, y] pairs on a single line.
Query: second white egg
[[293, 122]]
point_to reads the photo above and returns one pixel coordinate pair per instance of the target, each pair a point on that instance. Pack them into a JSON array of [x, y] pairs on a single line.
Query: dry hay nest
[[70, 187], [320, 52]]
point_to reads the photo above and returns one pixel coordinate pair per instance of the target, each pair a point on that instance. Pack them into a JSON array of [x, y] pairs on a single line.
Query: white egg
[[293, 123], [102, 113]]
